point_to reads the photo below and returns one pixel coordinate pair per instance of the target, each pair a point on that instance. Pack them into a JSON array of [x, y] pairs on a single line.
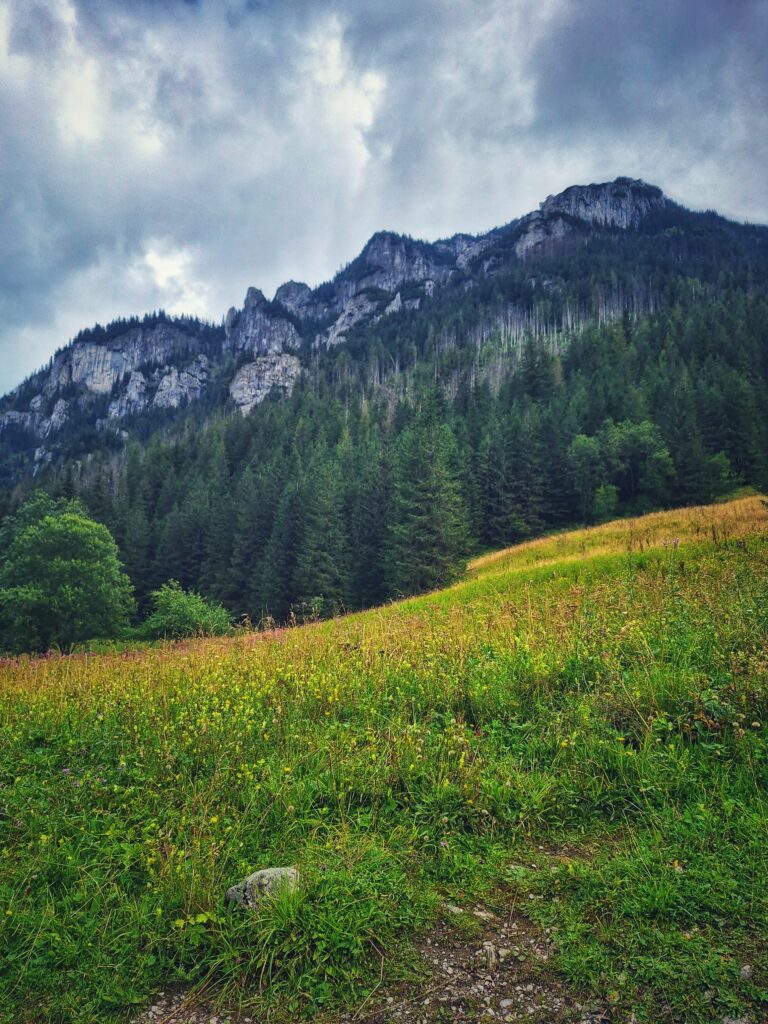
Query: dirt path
[[477, 966], [481, 967]]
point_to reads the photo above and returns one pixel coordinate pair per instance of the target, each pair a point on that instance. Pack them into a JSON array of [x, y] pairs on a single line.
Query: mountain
[[106, 378], [335, 446]]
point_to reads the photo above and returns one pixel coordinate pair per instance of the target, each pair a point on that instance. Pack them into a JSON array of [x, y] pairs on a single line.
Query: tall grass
[[601, 695]]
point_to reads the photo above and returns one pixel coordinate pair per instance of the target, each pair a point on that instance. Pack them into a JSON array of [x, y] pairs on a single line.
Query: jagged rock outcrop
[[132, 399], [254, 381], [21, 420], [260, 327], [35, 421], [541, 234], [564, 219], [57, 419], [623, 203], [166, 387], [389, 261], [464, 249], [97, 365], [394, 306], [303, 303], [357, 309], [295, 296], [185, 385]]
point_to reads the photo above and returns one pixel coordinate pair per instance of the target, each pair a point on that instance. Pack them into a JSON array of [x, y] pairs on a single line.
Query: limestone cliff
[[152, 364], [254, 381], [624, 203], [98, 365], [260, 327]]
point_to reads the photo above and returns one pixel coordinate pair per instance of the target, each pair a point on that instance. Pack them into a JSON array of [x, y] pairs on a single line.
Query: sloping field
[[576, 730]]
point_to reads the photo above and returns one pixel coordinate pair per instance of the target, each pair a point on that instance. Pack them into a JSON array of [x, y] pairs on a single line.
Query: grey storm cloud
[[169, 153]]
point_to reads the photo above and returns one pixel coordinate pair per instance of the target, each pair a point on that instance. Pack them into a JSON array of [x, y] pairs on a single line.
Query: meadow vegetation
[[592, 703]]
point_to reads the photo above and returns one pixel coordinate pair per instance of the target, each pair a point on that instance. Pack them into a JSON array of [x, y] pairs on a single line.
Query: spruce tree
[[321, 577], [428, 533]]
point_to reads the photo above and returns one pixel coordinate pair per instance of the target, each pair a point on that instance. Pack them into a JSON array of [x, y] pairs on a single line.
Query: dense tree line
[[626, 372], [342, 498]]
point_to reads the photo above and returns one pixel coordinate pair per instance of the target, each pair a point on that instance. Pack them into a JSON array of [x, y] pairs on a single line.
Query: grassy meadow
[[579, 726]]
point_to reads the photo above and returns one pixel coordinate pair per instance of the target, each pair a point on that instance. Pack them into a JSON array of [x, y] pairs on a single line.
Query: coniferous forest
[[347, 495], [614, 372]]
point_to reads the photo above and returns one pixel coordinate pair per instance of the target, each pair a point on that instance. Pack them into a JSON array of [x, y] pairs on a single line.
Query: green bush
[[178, 613], [61, 581]]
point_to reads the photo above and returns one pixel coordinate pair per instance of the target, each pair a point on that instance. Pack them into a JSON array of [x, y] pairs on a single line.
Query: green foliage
[[429, 528], [529, 432], [178, 613], [605, 503], [61, 582], [321, 579], [626, 462], [601, 717]]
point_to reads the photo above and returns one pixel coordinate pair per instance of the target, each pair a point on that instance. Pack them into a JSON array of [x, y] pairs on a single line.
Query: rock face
[[93, 369], [541, 234], [296, 297], [564, 219], [389, 261], [358, 308], [254, 381], [464, 249], [259, 327], [99, 365], [132, 399], [261, 884], [623, 203], [177, 386]]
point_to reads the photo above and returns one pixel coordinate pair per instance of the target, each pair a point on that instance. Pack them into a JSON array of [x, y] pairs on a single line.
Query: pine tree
[[321, 578], [137, 551], [428, 534], [279, 566], [370, 515]]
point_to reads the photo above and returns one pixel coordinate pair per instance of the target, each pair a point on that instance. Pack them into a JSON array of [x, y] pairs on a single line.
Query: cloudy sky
[[169, 153]]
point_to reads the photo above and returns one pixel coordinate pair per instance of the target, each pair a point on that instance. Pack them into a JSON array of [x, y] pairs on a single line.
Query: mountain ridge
[[162, 364]]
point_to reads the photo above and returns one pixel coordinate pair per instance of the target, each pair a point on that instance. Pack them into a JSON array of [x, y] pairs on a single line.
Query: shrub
[[179, 613]]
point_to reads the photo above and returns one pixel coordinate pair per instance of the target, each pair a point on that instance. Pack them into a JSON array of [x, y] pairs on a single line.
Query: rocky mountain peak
[[623, 203], [260, 327], [255, 298], [295, 296]]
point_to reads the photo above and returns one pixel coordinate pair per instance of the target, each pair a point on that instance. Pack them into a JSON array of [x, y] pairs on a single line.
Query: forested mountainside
[[340, 445]]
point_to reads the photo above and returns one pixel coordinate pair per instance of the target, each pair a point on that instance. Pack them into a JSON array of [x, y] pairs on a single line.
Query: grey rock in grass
[[255, 887]]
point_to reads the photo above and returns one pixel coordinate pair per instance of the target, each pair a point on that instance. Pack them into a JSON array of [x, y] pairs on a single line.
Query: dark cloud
[[172, 152], [616, 65]]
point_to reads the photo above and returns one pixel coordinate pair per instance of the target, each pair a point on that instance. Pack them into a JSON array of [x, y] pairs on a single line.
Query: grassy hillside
[[578, 726]]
